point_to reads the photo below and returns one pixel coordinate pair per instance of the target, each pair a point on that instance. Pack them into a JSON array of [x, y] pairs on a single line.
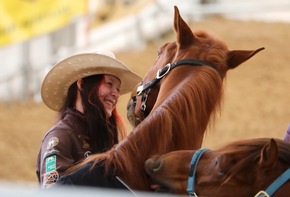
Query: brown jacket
[[64, 145]]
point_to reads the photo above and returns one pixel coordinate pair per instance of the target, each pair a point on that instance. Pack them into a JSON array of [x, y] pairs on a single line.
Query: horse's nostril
[[157, 166], [152, 166]]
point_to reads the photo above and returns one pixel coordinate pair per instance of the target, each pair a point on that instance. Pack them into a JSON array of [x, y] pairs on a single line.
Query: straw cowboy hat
[[58, 80]]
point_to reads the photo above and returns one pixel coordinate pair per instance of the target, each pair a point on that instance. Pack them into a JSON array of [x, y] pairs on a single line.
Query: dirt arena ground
[[256, 102]]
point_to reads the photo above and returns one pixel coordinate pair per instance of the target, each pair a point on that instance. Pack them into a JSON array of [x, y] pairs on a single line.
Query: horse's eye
[[219, 169], [216, 162], [159, 52]]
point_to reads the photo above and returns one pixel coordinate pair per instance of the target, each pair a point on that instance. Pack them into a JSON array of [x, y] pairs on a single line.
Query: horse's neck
[[157, 134], [276, 179], [177, 122], [283, 191]]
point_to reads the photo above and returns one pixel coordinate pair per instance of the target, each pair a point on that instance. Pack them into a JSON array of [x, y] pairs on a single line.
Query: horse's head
[[239, 169], [197, 49]]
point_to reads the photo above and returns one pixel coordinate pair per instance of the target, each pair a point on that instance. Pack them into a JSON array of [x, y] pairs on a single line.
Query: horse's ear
[[269, 155], [183, 31], [236, 57]]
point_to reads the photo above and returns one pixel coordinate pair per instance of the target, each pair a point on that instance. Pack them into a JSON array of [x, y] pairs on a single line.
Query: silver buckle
[[262, 194], [168, 67], [193, 194], [140, 90]]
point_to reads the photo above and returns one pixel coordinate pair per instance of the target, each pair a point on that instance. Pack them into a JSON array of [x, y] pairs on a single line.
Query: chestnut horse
[[241, 168], [178, 100]]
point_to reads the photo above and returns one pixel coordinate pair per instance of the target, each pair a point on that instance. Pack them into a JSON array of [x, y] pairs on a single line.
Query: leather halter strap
[[145, 89], [163, 71]]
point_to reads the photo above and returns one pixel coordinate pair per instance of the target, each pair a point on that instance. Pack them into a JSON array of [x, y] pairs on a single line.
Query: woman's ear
[[80, 83]]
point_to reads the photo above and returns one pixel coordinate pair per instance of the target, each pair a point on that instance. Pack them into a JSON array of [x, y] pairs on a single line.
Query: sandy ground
[[256, 100]]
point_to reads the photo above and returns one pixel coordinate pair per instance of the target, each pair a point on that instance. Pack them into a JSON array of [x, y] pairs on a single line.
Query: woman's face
[[109, 92]]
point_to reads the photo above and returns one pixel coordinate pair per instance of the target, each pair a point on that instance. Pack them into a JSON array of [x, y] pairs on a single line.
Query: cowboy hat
[[62, 75]]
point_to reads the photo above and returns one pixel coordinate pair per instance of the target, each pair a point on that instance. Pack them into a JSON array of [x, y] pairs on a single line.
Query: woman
[[84, 90]]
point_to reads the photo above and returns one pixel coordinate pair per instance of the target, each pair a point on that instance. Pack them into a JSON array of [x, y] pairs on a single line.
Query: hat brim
[[58, 80]]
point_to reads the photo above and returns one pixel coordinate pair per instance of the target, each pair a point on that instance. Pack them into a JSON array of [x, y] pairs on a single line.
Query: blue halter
[[192, 170], [283, 178]]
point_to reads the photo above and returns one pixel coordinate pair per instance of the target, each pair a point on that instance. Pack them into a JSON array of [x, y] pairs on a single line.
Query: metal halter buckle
[[140, 90], [162, 72], [193, 194], [262, 194]]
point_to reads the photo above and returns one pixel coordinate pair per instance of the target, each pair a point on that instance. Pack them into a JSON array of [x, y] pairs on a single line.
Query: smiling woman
[[84, 89], [109, 92]]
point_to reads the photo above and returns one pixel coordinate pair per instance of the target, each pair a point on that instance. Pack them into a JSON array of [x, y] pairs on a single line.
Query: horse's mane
[[182, 115], [247, 153], [195, 103]]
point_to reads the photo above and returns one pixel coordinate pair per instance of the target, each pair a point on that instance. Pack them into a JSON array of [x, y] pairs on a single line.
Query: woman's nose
[[115, 93]]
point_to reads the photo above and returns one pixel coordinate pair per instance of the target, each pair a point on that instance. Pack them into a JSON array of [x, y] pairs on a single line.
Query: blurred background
[[35, 34]]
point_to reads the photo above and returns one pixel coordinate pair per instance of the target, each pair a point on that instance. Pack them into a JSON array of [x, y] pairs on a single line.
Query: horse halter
[[143, 90], [283, 178], [192, 171], [276, 184]]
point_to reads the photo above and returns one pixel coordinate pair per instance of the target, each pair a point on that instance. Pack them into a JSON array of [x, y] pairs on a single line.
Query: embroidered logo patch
[[50, 163], [52, 142]]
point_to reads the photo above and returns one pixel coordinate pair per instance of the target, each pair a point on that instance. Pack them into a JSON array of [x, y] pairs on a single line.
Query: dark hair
[[103, 132], [70, 99]]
